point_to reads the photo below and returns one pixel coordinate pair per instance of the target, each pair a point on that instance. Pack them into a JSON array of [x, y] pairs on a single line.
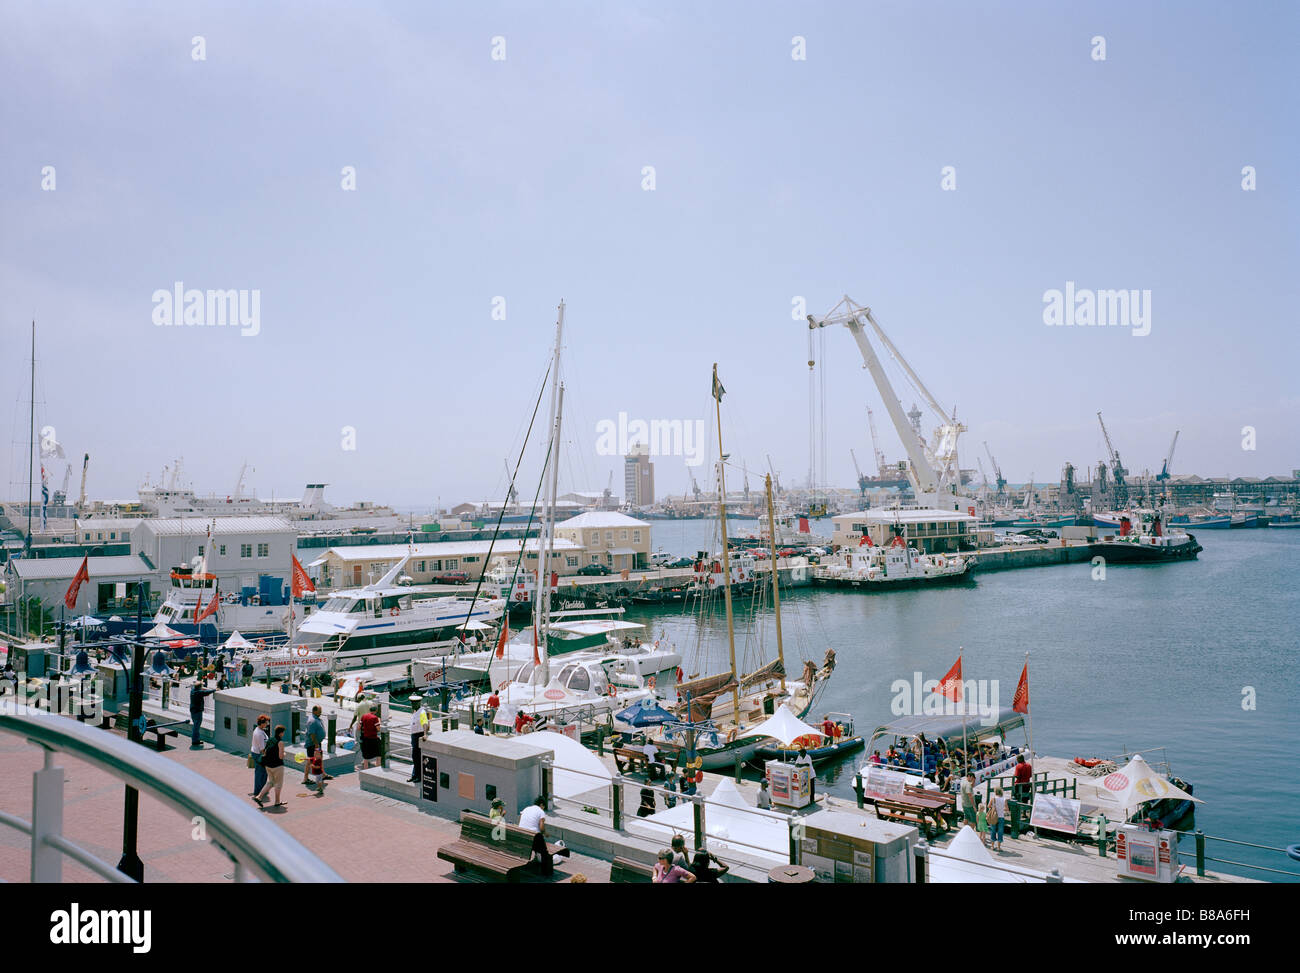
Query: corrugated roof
[[390, 552], [198, 526], [595, 519], [904, 516], [63, 568]]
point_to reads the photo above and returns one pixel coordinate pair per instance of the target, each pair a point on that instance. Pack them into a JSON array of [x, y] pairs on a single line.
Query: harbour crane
[[933, 470], [776, 477], [875, 444], [1164, 472], [1117, 471], [67, 478], [863, 482], [997, 472]]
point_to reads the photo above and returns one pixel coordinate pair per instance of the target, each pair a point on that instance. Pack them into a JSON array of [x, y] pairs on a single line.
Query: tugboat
[[895, 566], [1148, 545]]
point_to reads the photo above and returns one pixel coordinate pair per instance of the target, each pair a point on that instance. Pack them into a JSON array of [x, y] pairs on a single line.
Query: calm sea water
[[1152, 656]]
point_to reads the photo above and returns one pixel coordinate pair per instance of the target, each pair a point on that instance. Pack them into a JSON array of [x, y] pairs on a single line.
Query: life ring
[[394, 610], [302, 651], [699, 777], [612, 691], [940, 562], [1086, 763], [650, 682], [261, 643]]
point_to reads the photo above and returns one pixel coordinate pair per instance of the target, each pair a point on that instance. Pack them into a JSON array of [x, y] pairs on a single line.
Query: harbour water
[[1151, 656]]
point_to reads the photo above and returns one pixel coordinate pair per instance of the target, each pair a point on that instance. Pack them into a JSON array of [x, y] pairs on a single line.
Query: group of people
[[674, 867], [266, 757]]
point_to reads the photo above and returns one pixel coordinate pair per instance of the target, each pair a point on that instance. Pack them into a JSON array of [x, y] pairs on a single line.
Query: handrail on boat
[[257, 846]]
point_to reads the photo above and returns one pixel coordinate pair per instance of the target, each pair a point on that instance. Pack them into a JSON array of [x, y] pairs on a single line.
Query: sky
[[688, 184]]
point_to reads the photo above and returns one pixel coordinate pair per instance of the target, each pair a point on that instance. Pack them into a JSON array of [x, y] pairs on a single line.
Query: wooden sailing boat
[[718, 709]]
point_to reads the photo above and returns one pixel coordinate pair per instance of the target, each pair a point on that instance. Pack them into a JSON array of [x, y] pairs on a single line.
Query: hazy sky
[[523, 178]]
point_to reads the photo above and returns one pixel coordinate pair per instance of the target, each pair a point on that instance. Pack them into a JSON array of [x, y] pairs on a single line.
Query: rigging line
[[496, 531]]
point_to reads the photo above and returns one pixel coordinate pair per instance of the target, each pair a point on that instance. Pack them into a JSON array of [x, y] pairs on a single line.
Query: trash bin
[[791, 875]]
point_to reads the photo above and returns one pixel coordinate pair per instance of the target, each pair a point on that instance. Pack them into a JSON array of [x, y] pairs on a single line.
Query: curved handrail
[[240, 830]]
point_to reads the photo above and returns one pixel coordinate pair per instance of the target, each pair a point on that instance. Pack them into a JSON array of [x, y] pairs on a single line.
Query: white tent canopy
[[1121, 793], [731, 823], [577, 769], [966, 859], [783, 727], [161, 631], [236, 641]]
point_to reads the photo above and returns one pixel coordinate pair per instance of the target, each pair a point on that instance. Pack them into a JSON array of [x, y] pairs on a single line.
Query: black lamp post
[[131, 865]]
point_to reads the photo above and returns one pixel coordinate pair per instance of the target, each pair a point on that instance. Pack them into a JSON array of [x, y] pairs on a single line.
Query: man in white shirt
[[533, 818], [805, 763], [256, 750]]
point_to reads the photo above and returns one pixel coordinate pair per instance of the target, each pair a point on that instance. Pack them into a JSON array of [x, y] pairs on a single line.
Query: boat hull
[[1133, 552], [818, 755]]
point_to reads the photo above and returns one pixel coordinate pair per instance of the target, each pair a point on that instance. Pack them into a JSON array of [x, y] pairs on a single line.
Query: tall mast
[[776, 588], [31, 442], [726, 555], [543, 596]]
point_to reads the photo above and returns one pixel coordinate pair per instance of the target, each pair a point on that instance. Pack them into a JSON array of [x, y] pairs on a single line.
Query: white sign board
[[1056, 814]]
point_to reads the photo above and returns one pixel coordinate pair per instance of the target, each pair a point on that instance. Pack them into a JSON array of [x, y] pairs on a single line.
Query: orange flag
[[212, 606], [1020, 702], [301, 582], [504, 637], [951, 686], [83, 574]]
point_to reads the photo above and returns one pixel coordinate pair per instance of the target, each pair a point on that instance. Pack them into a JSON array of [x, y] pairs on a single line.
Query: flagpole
[[1029, 709]]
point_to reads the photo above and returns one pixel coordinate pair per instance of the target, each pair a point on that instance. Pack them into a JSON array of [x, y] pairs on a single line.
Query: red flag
[[866, 539], [301, 583], [951, 686], [83, 574], [537, 659], [505, 637], [1020, 702], [898, 541], [197, 606], [212, 606]]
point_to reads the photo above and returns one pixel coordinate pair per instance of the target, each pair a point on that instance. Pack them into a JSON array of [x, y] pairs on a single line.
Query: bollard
[[1101, 837], [333, 730], [1200, 853], [922, 853], [616, 804], [294, 716], [1055, 875], [699, 822], [1016, 811], [737, 768], [383, 749], [600, 742], [166, 693]]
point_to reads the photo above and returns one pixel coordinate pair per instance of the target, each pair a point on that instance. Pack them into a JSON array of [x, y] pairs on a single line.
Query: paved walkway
[[364, 837]]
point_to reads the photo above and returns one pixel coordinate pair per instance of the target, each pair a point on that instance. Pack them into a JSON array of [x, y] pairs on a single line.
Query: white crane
[[81, 500], [1164, 472], [933, 471]]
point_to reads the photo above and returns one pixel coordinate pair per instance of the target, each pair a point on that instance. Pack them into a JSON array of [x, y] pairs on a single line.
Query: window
[[595, 537], [263, 550], [99, 536], [245, 550], [609, 537], [470, 560], [452, 563], [622, 535], [112, 535], [571, 561], [200, 550], [636, 537], [221, 549]]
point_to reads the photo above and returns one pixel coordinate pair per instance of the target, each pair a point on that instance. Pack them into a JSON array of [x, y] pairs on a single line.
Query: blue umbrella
[[639, 714]]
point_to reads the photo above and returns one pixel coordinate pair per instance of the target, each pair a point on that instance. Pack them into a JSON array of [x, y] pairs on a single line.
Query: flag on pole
[[1020, 702], [504, 637], [301, 582], [198, 606], [537, 659], [212, 606], [718, 390], [950, 686], [83, 574]]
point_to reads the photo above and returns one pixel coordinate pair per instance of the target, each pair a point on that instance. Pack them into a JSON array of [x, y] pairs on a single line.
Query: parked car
[[681, 562], [593, 569], [451, 577], [661, 558]]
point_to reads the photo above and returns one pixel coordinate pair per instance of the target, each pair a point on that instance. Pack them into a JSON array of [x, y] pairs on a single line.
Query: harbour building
[[354, 566], [639, 476], [619, 542], [929, 530]]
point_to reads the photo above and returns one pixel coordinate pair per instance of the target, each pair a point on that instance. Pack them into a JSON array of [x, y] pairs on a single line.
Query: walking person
[[261, 734], [246, 671], [371, 749], [198, 695], [999, 816], [968, 800], [1024, 787], [314, 738], [273, 759], [764, 795]]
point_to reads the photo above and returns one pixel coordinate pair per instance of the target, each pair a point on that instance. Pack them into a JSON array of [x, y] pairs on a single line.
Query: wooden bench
[[503, 854], [161, 732], [893, 811], [626, 871]]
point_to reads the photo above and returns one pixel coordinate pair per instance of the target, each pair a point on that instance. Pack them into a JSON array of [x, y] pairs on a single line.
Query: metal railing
[[260, 850]]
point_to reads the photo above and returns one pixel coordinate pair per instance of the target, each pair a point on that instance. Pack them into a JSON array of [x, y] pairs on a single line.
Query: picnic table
[[925, 813]]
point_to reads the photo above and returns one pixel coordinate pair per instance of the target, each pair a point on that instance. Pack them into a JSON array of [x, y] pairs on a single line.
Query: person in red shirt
[[522, 722], [370, 744], [490, 711], [1024, 780]]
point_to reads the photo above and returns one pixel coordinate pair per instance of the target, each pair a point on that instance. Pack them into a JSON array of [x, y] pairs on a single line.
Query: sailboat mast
[[543, 599], [31, 442], [726, 555], [776, 587]]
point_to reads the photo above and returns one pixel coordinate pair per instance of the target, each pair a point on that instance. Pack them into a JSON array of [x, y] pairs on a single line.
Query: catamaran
[[386, 622]]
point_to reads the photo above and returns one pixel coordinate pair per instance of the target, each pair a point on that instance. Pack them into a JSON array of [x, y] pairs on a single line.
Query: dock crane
[[875, 444], [997, 472], [81, 500], [933, 470], [1117, 471], [1164, 471], [776, 477], [863, 482]]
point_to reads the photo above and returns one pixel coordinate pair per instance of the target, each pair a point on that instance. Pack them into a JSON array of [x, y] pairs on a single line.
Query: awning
[[784, 727], [623, 550]]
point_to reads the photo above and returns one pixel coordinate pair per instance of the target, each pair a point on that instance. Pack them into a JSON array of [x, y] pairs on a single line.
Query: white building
[[925, 528], [241, 549], [615, 540], [355, 565]]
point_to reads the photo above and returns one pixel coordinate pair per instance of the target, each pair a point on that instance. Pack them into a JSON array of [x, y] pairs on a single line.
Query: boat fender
[[612, 690], [393, 611], [731, 735]]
